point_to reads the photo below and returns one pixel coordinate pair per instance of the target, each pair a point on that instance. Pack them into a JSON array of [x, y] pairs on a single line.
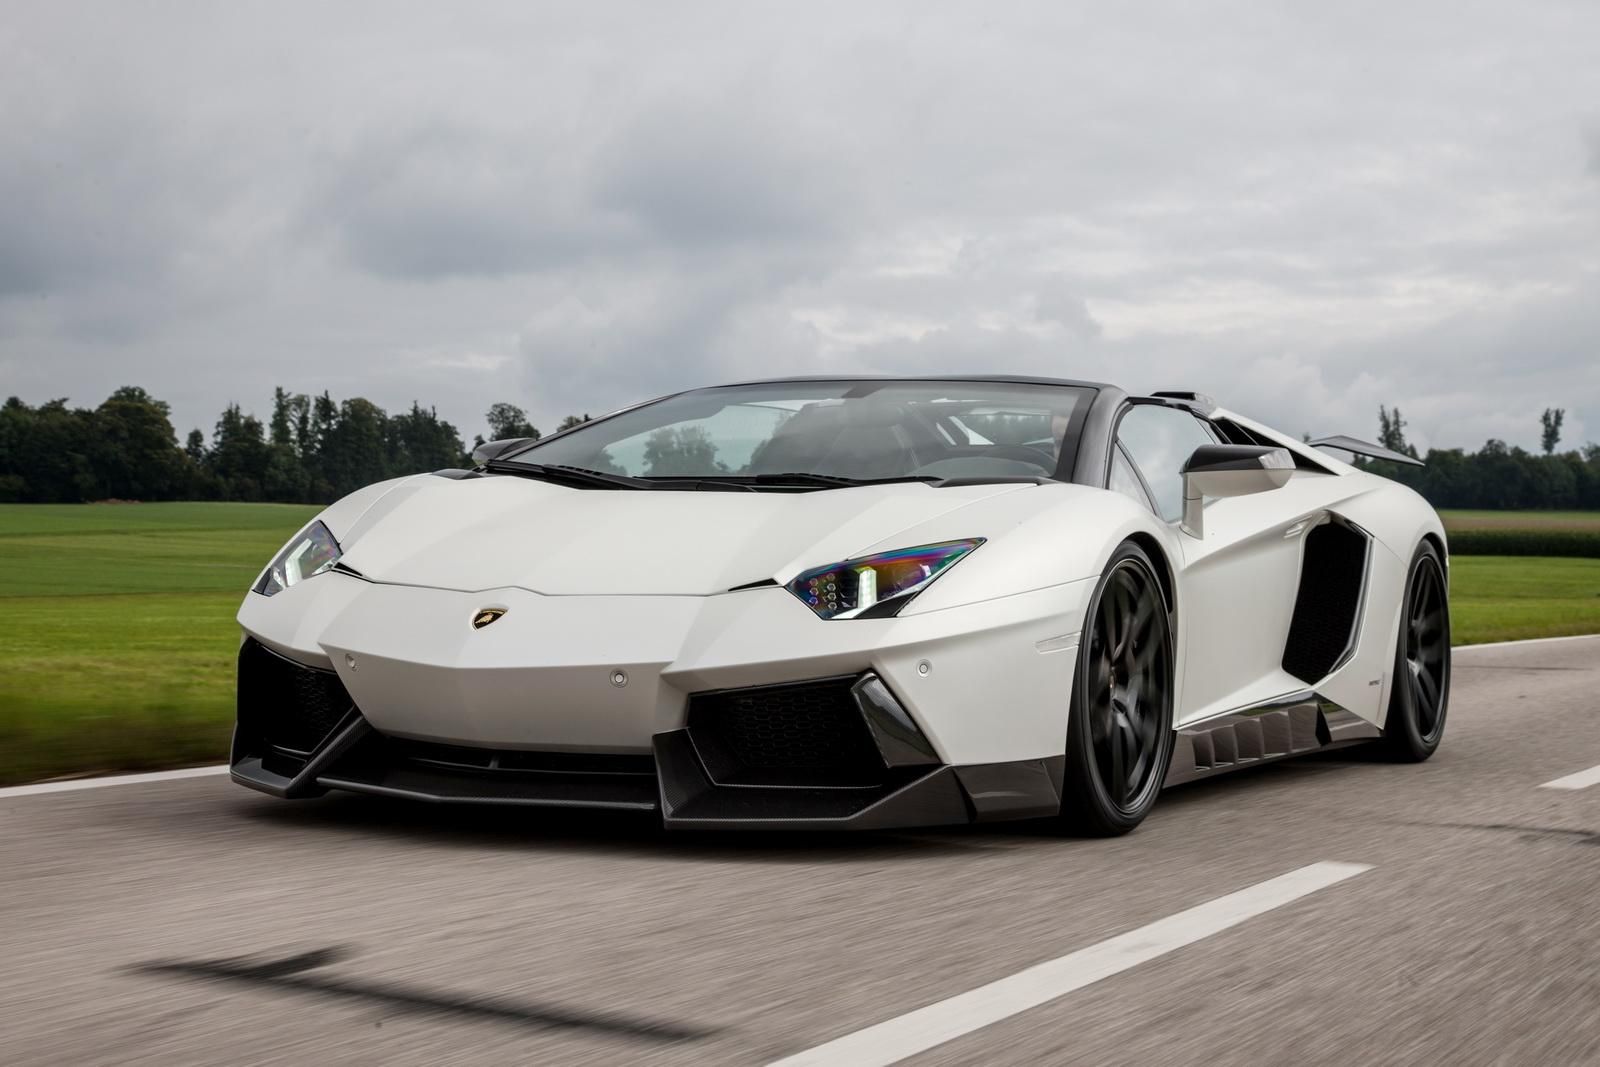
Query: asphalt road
[[194, 922]]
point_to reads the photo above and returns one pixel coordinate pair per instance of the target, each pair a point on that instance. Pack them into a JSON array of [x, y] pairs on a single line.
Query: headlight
[[312, 551], [877, 587]]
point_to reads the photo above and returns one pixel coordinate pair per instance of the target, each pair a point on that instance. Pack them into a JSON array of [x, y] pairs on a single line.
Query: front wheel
[[1421, 692], [1119, 730]]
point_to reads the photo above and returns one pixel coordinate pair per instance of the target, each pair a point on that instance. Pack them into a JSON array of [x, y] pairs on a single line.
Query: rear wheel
[[1119, 731], [1421, 693]]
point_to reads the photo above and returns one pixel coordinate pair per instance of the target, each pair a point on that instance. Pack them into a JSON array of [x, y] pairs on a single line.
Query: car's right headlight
[[309, 553], [877, 586]]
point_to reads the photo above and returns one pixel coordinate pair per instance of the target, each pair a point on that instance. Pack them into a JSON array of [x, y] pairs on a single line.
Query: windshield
[[856, 430]]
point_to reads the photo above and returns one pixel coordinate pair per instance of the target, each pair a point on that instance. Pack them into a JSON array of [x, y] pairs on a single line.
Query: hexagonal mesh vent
[[287, 705], [809, 733]]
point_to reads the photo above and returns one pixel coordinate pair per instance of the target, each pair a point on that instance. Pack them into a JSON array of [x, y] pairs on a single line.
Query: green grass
[[1505, 598], [117, 638], [116, 631]]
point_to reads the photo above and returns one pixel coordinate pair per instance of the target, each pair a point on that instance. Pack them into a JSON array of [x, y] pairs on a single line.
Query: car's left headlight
[[311, 551], [877, 586]]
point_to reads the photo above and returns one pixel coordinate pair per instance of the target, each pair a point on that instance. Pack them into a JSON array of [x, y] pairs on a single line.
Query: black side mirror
[[490, 450], [1230, 470]]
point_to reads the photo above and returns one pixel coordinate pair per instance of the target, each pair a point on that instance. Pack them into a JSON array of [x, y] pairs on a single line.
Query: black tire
[[1420, 696], [1119, 730]]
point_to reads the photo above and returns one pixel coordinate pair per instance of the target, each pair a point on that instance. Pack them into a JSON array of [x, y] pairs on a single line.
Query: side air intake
[[1327, 609]]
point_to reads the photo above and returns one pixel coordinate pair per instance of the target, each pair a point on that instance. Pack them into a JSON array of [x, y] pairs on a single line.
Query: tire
[[1420, 698], [1121, 701]]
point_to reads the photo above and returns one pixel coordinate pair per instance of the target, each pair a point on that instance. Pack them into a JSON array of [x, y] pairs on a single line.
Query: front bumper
[[634, 704], [854, 759]]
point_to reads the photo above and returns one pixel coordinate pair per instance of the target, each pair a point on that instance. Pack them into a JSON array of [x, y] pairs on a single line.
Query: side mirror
[[495, 449], [1230, 470]]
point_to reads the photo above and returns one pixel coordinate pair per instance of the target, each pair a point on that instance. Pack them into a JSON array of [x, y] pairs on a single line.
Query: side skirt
[[1288, 726]]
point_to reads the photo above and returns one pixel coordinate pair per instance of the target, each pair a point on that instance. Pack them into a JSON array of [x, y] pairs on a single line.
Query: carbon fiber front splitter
[[355, 758]]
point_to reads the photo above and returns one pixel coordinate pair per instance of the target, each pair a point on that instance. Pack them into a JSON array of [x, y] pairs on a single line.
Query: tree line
[[1497, 476], [313, 449]]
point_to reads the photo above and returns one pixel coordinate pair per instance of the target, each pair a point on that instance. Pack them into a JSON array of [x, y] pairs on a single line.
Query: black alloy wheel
[[1119, 737], [1420, 696]]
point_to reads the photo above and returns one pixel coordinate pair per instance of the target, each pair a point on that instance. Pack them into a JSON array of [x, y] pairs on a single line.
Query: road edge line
[[75, 784], [1525, 641]]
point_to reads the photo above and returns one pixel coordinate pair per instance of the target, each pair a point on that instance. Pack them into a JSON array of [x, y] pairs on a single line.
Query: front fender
[[1047, 536]]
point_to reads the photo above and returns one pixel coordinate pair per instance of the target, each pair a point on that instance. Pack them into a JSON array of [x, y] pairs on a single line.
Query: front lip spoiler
[[350, 785], [682, 792], [250, 770]]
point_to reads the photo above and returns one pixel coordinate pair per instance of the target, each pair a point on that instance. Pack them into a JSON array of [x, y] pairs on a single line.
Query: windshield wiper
[[557, 472], [792, 479], [562, 474], [834, 481]]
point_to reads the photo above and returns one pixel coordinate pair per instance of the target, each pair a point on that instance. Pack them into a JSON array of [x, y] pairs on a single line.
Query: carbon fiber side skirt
[[1288, 726]]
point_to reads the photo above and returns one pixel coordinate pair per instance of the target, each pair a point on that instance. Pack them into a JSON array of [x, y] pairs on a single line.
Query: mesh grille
[[1330, 595], [287, 705], [811, 733]]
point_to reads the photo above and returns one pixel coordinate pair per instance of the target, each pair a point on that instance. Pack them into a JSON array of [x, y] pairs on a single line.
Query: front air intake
[[803, 734], [287, 706]]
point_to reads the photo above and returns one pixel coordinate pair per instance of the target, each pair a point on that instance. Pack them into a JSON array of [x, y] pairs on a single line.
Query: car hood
[[485, 533]]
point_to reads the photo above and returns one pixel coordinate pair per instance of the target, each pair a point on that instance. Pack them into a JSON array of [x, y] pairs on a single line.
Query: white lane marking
[[1580, 780], [923, 1029], [1526, 641], [100, 783]]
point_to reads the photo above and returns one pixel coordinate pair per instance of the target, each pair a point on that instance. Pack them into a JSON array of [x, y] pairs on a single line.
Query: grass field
[[1520, 520], [1506, 598], [117, 637]]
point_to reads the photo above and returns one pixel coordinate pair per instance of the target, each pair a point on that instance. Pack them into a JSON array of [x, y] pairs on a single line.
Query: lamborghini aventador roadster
[[852, 603]]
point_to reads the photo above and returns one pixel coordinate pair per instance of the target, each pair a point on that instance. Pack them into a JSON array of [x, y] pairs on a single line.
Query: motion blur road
[[195, 922]]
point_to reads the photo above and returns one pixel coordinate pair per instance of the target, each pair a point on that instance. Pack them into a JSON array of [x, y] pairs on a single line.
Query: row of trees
[[312, 449], [1496, 476]]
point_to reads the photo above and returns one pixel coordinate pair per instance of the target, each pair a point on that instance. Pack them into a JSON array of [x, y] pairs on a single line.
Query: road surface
[[1441, 913]]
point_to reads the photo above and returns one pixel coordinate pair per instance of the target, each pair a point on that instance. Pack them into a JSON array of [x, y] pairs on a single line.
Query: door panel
[[1236, 585], [1237, 594]]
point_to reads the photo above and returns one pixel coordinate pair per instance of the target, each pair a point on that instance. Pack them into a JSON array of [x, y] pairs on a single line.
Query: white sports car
[[851, 603]]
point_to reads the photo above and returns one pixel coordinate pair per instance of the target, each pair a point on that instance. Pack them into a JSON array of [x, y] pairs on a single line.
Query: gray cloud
[[1307, 214]]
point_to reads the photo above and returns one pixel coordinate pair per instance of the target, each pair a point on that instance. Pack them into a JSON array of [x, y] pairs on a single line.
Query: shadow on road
[[289, 974]]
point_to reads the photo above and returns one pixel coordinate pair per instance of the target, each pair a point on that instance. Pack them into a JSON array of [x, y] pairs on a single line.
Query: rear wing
[[1364, 448]]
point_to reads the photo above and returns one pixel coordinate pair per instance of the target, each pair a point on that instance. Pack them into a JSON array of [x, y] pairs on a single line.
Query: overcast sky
[[1304, 209]]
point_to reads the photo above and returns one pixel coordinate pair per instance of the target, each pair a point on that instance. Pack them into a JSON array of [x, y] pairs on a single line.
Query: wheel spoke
[[1428, 692], [1144, 618], [1144, 660], [1124, 619], [1118, 783], [1102, 719]]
